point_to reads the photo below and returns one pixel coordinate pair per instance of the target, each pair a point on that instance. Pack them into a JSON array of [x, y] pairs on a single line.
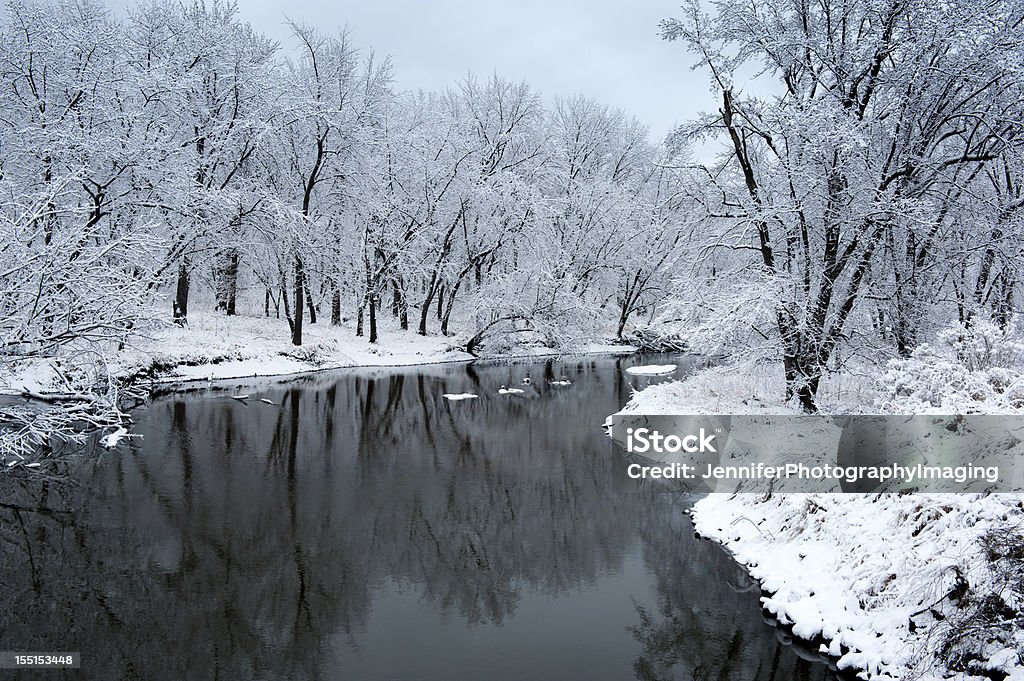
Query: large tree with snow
[[871, 119]]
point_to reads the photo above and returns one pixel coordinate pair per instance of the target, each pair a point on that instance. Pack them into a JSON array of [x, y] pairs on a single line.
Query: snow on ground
[[854, 570], [718, 390], [214, 346], [848, 571]]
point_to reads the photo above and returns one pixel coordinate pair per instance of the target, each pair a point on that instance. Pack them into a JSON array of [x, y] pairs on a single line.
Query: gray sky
[[607, 50]]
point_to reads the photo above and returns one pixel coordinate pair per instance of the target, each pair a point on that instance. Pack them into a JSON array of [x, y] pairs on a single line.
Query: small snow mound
[[651, 370], [111, 440], [509, 391], [455, 397]]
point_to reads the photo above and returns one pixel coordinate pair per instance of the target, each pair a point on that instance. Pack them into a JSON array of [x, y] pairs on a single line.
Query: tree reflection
[[706, 625]]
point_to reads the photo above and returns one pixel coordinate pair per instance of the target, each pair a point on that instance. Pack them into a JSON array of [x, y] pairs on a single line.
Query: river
[[364, 527]]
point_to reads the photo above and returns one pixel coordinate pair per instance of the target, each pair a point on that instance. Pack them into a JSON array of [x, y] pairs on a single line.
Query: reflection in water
[[706, 623], [364, 527]]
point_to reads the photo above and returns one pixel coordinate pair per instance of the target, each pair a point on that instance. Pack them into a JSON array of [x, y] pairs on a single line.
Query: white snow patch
[[652, 370], [111, 440], [455, 397]]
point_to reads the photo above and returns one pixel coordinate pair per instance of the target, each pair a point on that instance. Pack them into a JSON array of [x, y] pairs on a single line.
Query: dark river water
[[363, 527]]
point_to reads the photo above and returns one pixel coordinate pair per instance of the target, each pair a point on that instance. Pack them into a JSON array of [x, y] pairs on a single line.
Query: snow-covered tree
[[328, 106], [838, 181]]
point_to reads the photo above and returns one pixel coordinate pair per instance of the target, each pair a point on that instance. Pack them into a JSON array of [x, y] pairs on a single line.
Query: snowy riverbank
[[215, 347], [892, 586]]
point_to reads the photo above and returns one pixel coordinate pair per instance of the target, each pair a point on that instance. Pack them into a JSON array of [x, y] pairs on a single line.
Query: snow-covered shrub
[[655, 338], [535, 308], [161, 363], [981, 634], [985, 345], [967, 370], [315, 354]]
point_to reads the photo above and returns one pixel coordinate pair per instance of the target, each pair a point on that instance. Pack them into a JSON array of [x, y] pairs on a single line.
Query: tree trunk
[[359, 319], [805, 393], [50, 216], [181, 294], [400, 307], [795, 363], [373, 319], [299, 298], [1002, 303], [266, 302], [622, 322], [450, 304], [633, 289], [309, 300], [287, 309], [983, 287], [444, 321], [225, 278], [473, 343], [425, 309], [231, 285], [403, 313], [440, 303], [336, 308]]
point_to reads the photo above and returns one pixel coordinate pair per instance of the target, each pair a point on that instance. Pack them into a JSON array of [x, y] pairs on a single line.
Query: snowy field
[[879, 582]]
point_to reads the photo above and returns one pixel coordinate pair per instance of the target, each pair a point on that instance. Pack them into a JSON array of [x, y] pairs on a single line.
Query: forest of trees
[[865, 196], [179, 156]]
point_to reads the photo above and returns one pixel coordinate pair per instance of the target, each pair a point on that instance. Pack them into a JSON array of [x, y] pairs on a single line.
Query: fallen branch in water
[[28, 509], [52, 398], [27, 434]]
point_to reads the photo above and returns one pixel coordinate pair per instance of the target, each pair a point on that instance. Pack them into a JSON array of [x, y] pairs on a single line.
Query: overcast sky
[[604, 49]]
